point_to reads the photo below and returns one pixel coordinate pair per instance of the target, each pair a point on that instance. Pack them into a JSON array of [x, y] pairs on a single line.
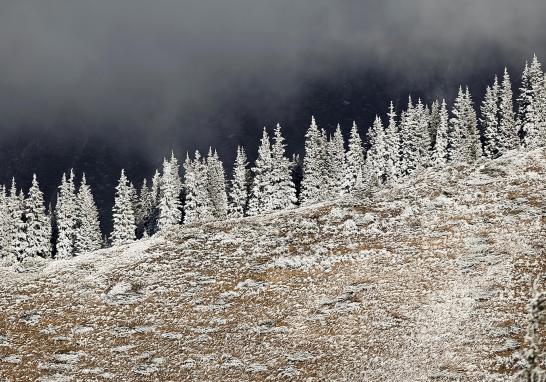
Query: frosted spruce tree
[[156, 187], [65, 217], [422, 136], [38, 224], [434, 122], [409, 147], [261, 190], [198, 207], [238, 192], [464, 140], [392, 144], [4, 222], [9, 236], [377, 152], [144, 215], [123, 215], [205, 206], [508, 132], [155, 196], [216, 185], [135, 201], [190, 189], [283, 191], [21, 237], [490, 120], [440, 154], [353, 179], [473, 149], [456, 134], [335, 164], [88, 235], [314, 166], [170, 206], [532, 105]]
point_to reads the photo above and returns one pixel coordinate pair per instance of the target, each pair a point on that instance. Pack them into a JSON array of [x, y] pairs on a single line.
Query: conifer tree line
[[418, 137]]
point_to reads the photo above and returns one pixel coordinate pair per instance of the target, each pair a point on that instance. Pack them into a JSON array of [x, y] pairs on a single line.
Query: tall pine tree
[[65, 217], [335, 164], [421, 135], [5, 222], [532, 105], [490, 120], [377, 153], [123, 215], [314, 166], [473, 149], [410, 146], [170, 205], [198, 207], [392, 143], [464, 139], [508, 131], [38, 224], [216, 185], [260, 192], [283, 191], [434, 122], [238, 192], [440, 155], [354, 163], [88, 235]]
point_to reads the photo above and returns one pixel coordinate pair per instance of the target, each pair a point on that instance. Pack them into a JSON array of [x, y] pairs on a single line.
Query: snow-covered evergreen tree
[[392, 143], [508, 133], [38, 224], [464, 139], [456, 129], [335, 164], [314, 166], [156, 187], [216, 185], [88, 235], [123, 215], [434, 122], [155, 196], [198, 206], [296, 169], [170, 205], [354, 163], [21, 238], [490, 120], [238, 192], [12, 222], [135, 200], [473, 145], [65, 217], [440, 155], [283, 191], [4, 222], [532, 105], [377, 153], [144, 215], [533, 354], [421, 135], [260, 192], [190, 187], [409, 150]]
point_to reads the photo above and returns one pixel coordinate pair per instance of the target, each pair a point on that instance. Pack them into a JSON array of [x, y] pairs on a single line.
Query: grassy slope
[[425, 281]]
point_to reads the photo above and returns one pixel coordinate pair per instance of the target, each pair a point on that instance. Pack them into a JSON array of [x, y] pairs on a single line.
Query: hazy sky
[[159, 66]]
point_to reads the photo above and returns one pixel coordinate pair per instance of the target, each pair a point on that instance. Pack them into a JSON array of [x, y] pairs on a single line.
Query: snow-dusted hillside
[[423, 281]]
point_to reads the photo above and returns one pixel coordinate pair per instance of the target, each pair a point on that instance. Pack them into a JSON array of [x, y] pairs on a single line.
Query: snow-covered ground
[[422, 281]]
